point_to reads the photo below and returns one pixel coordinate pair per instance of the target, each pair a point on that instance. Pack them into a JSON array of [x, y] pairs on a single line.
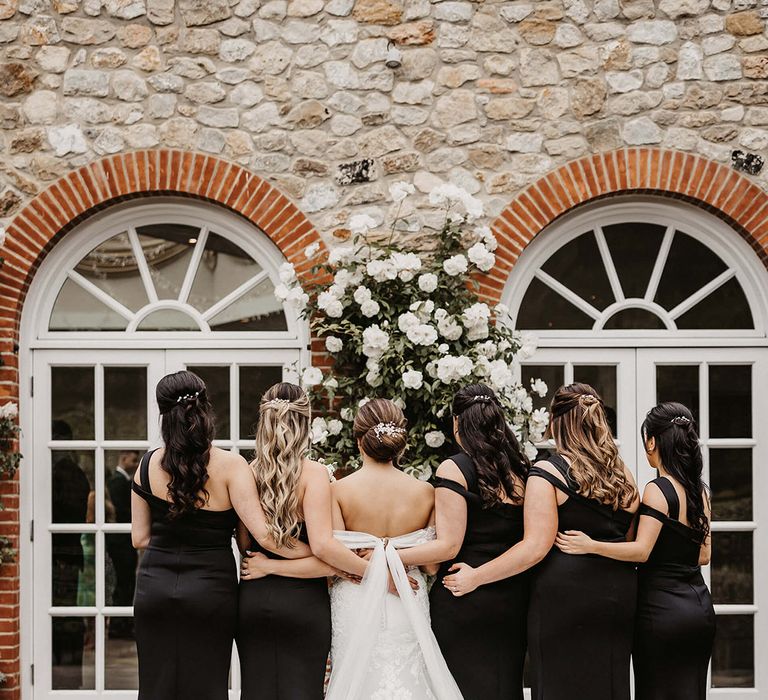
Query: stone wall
[[490, 95]]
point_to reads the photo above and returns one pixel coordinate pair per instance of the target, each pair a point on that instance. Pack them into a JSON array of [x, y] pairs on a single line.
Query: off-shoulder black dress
[[675, 625], [186, 601], [582, 608], [283, 635], [482, 635]]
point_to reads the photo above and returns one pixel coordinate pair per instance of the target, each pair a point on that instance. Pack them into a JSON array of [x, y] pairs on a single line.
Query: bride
[[382, 644]]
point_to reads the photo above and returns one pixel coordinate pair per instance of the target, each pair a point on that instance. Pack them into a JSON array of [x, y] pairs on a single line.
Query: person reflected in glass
[[581, 610], [187, 498], [71, 488], [675, 625]]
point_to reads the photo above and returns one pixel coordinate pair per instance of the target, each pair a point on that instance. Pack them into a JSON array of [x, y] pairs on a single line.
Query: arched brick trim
[[716, 187], [71, 199]]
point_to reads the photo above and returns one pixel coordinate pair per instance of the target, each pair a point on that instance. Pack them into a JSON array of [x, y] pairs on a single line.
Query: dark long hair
[[187, 427], [673, 427], [489, 441]]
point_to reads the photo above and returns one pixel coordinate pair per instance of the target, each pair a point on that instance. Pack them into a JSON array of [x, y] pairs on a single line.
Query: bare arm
[[257, 566], [705, 553], [318, 515], [450, 522], [245, 500], [648, 530], [141, 522]]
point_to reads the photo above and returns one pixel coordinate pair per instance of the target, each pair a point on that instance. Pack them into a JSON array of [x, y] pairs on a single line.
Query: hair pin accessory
[[387, 429], [187, 397], [277, 402], [681, 420], [481, 397]]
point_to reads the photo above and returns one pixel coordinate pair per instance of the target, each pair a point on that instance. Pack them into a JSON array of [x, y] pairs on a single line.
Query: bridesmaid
[[478, 516], [675, 625], [284, 623], [186, 500], [581, 611]]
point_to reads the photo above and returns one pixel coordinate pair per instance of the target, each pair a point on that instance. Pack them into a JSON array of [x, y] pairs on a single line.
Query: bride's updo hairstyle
[[487, 438], [582, 434], [380, 428], [187, 427], [282, 443]]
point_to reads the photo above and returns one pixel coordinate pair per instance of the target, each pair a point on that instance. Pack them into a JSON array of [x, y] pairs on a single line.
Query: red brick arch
[[713, 186]]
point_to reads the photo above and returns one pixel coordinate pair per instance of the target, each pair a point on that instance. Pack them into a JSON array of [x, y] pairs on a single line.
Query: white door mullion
[[702, 293], [234, 403], [610, 268], [661, 261], [141, 262], [235, 295], [568, 294], [194, 264], [101, 295]]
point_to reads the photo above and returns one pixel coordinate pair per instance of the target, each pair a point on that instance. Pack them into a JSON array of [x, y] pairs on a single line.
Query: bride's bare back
[[383, 501]]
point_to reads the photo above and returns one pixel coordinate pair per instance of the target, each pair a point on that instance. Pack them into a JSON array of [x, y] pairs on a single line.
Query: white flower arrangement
[[407, 325]]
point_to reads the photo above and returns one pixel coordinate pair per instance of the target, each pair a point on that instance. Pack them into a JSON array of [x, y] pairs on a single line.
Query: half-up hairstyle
[[282, 443], [381, 429], [672, 426], [487, 438], [187, 426], [582, 434]]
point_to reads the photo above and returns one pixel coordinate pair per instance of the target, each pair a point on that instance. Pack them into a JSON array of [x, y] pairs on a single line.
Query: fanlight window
[[167, 277], [634, 275]]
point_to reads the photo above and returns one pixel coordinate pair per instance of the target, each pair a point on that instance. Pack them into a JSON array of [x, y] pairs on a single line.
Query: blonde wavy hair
[[582, 434], [282, 442]]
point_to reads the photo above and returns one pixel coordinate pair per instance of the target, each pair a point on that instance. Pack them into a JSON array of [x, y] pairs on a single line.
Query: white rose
[[347, 414], [486, 236], [400, 190], [335, 426], [455, 265], [483, 258], [311, 250], [362, 402], [311, 376], [406, 265], [369, 308], [399, 403], [501, 374], [282, 292], [333, 344], [530, 451], [331, 383], [528, 345], [476, 315], [423, 334], [375, 342], [362, 294], [413, 379], [342, 278], [287, 273], [381, 270], [451, 368], [443, 348], [449, 328], [361, 223], [434, 438], [407, 321], [539, 386], [9, 411], [298, 298], [428, 282], [478, 332], [373, 379], [341, 255], [501, 310], [330, 304], [319, 431], [487, 349]]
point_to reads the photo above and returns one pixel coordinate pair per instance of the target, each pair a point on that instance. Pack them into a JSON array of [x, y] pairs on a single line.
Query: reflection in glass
[[730, 477], [120, 576], [72, 479], [223, 268], [727, 307], [603, 379], [216, 380], [628, 319], [690, 266], [543, 308], [552, 375], [72, 403], [112, 267], [78, 310], [125, 403], [73, 582], [679, 383], [72, 666], [254, 381], [119, 468], [730, 401], [256, 310], [168, 250], [168, 320], [579, 267], [634, 247], [732, 567], [121, 670], [733, 661]]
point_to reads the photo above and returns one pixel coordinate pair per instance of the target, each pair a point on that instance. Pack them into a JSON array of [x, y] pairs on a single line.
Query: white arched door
[[128, 296], [650, 300]]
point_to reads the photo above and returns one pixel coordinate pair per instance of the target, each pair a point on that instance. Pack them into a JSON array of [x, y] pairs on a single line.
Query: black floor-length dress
[[186, 602], [675, 626], [582, 607], [482, 635], [283, 635]]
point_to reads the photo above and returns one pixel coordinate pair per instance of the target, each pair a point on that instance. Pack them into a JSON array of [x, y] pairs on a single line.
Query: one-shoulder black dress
[[582, 608], [186, 602], [483, 635], [675, 626], [283, 635]]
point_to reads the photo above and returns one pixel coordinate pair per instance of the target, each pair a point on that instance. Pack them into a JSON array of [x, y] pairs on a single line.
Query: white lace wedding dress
[[383, 647]]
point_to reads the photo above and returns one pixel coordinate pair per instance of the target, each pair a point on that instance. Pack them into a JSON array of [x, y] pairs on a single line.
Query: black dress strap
[[670, 494], [559, 463], [467, 467], [441, 483], [144, 482]]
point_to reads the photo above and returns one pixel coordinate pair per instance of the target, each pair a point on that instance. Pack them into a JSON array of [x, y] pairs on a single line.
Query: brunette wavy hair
[[674, 429], [487, 438], [187, 427], [582, 434]]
